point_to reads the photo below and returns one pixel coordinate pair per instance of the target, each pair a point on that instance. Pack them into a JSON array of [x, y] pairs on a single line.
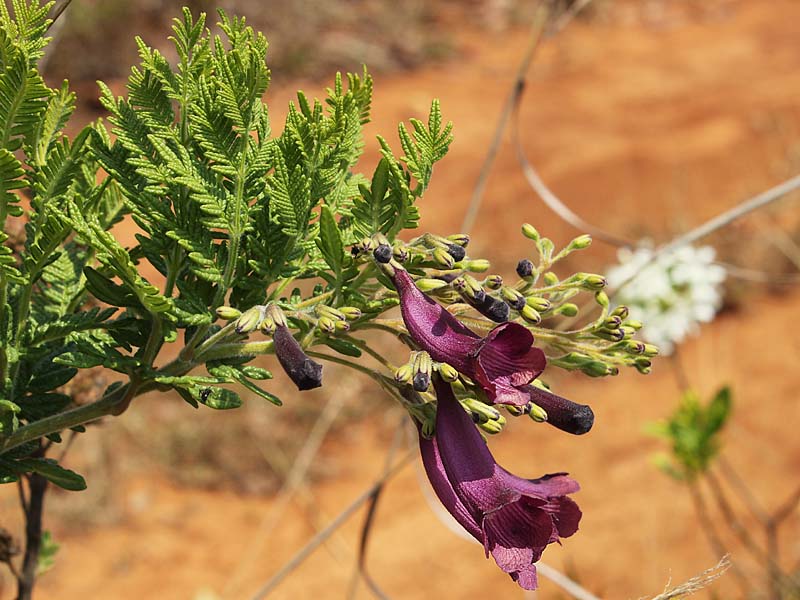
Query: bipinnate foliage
[[693, 430], [229, 216]]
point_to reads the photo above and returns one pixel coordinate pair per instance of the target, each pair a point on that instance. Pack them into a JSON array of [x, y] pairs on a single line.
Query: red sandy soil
[[644, 130]]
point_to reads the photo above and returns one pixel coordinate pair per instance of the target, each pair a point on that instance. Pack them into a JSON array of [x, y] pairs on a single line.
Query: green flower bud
[[327, 325], [530, 315], [595, 368], [513, 297], [550, 278], [443, 258], [546, 247], [636, 325], [429, 427], [493, 282], [268, 325], [276, 314], [650, 350], [493, 427], [537, 303], [614, 335], [602, 299], [477, 265], [518, 411], [635, 347], [429, 285], [400, 252], [404, 373], [643, 366], [342, 325], [447, 372], [568, 309], [484, 411], [537, 413], [612, 322], [250, 320], [628, 332], [323, 310], [529, 231], [228, 313], [351, 313], [462, 239], [594, 282], [621, 312], [580, 242]]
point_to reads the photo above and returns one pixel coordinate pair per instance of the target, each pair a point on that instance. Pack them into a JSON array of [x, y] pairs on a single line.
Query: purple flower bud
[[563, 414], [305, 372], [514, 518], [421, 382], [524, 268], [494, 309], [457, 252], [383, 253]]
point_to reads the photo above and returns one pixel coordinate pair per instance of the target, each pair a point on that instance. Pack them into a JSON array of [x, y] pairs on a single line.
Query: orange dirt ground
[[645, 130]]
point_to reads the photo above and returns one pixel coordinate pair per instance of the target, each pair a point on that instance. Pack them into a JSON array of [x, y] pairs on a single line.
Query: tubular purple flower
[[562, 413], [503, 363], [305, 372], [514, 518]]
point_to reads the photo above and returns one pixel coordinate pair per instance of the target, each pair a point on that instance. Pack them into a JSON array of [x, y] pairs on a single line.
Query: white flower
[[671, 294]]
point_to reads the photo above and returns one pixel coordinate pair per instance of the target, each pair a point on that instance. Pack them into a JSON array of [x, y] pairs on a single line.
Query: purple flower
[[305, 372], [514, 518], [503, 363]]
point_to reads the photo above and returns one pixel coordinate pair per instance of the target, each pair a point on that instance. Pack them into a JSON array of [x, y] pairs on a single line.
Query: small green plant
[[255, 244], [693, 431]]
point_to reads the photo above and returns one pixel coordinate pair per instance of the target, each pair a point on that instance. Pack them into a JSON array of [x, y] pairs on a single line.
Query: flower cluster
[[514, 518], [672, 292]]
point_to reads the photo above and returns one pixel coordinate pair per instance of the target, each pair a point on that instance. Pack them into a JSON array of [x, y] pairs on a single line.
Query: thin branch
[[736, 482], [733, 214], [292, 484], [37, 486], [707, 526], [787, 507], [59, 10], [537, 32], [552, 201], [318, 539], [369, 519]]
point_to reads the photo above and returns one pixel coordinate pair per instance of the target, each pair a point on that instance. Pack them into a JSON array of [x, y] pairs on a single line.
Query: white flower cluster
[[672, 294]]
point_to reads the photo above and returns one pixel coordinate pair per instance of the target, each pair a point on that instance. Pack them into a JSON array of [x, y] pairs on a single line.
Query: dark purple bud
[[524, 268], [563, 414], [305, 372], [421, 382], [457, 252], [494, 309], [383, 253]]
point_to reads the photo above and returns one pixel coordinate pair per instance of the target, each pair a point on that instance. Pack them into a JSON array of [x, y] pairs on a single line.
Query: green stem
[[71, 418], [3, 353]]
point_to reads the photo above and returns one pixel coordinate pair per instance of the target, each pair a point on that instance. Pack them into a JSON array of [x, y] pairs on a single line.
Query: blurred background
[[647, 117]]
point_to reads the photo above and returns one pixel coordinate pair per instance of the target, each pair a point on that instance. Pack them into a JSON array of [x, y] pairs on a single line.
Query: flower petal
[[507, 360], [437, 331], [520, 525], [434, 468]]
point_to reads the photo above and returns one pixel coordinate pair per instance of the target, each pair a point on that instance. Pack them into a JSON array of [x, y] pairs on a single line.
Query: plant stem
[[71, 418], [701, 509], [37, 486]]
